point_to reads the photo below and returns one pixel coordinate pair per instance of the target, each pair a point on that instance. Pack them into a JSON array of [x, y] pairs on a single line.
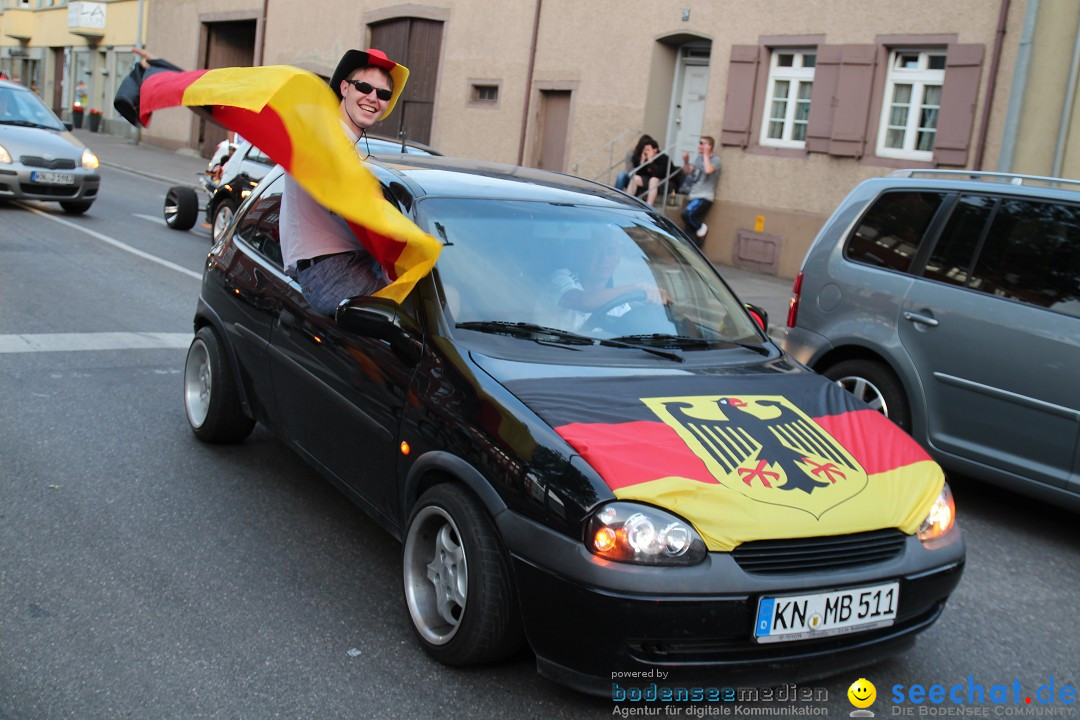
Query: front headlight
[[941, 518], [5, 156], [89, 160], [629, 532]]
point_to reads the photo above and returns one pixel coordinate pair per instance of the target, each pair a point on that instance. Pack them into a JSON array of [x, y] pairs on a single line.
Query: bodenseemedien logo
[[862, 695]]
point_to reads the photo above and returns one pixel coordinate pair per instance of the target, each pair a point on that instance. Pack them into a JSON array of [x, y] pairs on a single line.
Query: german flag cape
[[292, 116], [744, 458]]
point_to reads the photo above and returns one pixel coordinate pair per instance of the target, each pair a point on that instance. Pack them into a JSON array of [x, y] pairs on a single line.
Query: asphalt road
[[144, 574]]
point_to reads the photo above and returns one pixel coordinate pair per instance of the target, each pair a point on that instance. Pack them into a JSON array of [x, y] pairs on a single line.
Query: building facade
[[805, 98], [72, 54]]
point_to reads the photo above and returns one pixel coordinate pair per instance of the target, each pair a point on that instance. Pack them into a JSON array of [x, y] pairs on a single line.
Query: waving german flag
[[292, 116]]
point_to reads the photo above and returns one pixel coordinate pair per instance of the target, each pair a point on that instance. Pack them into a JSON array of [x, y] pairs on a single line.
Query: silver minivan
[[950, 301]]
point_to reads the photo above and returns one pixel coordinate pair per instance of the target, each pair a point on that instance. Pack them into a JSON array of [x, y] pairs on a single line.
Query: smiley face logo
[[862, 693]]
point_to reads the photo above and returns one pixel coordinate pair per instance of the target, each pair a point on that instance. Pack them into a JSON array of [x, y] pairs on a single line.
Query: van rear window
[[893, 228]]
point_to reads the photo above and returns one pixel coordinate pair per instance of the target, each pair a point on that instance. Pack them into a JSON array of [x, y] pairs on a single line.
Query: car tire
[[458, 584], [76, 207], [223, 215], [181, 208], [211, 398], [876, 385]]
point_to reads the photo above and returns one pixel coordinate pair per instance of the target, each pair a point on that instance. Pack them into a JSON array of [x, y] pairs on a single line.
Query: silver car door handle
[[921, 319]]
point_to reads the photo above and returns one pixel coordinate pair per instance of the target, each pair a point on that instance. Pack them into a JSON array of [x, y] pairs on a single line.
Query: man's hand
[[144, 57], [654, 294]]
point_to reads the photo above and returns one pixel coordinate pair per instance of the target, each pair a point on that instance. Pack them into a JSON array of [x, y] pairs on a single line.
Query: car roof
[[439, 176], [382, 140], [981, 182]]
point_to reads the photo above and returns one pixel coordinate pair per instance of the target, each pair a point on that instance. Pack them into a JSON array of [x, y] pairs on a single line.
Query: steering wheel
[[621, 299], [600, 318]]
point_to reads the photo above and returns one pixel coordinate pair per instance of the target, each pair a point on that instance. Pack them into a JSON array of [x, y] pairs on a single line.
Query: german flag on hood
[[292, 116], [746, 457]]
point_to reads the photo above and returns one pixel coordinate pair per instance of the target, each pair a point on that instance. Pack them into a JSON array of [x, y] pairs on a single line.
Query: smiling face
[[862, 693], [362, 110]]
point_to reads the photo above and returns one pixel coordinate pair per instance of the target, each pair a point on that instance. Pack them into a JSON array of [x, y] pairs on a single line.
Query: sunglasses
[[364, 88]]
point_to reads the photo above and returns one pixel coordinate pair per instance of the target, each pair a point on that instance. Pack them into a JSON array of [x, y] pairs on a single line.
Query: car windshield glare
[[601, 272], [24, 107]]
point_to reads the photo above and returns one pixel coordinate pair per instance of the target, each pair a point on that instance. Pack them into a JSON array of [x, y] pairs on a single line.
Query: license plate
[[802, 617], [52, 178]]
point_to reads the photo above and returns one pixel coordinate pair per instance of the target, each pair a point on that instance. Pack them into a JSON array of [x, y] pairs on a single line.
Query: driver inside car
[[586, 285]]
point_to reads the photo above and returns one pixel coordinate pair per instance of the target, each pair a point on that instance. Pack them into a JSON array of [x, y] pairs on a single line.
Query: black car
[[643, 483]]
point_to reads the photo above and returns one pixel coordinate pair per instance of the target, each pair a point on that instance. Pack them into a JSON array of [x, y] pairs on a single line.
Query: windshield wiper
[[27, 123], [686, 342], [524, 329], [534, 331]]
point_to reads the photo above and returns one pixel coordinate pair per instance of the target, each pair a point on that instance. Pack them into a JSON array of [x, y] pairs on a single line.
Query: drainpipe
[[137, 135], [1066, 110], [991, 87], [1016, 98], [262, 34], [528, 83]]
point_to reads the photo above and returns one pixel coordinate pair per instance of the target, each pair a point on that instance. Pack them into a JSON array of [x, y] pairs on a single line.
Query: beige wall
[[618, 57], [1052, 49]]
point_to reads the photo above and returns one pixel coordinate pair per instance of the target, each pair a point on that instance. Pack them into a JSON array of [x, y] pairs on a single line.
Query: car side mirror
[[69, 125], [369, 316], [760, 316], [381, 319]]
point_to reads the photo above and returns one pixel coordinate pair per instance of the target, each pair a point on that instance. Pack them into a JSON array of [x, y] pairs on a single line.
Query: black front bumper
[[593, 623]]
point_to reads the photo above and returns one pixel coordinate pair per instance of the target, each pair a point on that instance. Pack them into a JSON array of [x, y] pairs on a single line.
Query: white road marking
[[67, 342], [152, 218], [117, 244]]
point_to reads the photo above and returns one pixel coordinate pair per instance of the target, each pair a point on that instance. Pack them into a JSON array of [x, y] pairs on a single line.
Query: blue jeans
[[346, 275], [622, 181], [693, 215]]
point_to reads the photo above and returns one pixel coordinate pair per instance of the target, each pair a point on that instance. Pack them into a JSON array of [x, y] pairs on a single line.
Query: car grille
[[741, 652], [54, 164], [779, 557], [62, 191]]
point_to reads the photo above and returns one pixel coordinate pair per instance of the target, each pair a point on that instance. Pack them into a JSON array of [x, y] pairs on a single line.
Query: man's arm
[[707, 159]]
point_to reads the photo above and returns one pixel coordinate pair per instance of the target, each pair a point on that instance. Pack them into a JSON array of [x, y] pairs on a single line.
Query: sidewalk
[[179, 168]]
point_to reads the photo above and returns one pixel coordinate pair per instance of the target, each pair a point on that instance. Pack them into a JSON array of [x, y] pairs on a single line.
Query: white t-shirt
[[308, 229], [549, 312]]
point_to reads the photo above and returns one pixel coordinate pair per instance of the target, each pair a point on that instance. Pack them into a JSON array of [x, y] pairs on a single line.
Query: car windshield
[[22, 107], [592, 271]]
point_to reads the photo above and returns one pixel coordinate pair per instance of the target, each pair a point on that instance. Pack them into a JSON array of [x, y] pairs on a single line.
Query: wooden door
[[554, 125], [228, 44], [416, 44]]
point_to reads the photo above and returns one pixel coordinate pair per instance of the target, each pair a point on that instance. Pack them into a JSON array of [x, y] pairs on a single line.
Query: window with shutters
[[879, 102], [912, 104], [787, 100]]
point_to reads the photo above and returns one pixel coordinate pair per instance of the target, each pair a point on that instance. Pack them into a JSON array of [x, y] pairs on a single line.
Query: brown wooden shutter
[[963, 68], [823, 98], [854, 85], [739, 102]]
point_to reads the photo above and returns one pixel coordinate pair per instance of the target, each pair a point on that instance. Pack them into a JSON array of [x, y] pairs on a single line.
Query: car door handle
[[921, 319]]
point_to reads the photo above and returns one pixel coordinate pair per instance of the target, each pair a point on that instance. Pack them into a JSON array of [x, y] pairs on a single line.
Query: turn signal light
[[604, 540]]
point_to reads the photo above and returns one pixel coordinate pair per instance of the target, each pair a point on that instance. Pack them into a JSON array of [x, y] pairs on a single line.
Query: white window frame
[[919, 78], [796, 76]]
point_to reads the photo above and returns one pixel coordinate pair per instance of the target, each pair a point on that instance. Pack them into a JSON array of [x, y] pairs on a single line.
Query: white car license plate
[[52, 178], [801, 617]]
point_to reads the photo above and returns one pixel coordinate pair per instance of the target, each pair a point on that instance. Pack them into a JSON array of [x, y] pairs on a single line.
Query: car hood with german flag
[[742, 456]]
